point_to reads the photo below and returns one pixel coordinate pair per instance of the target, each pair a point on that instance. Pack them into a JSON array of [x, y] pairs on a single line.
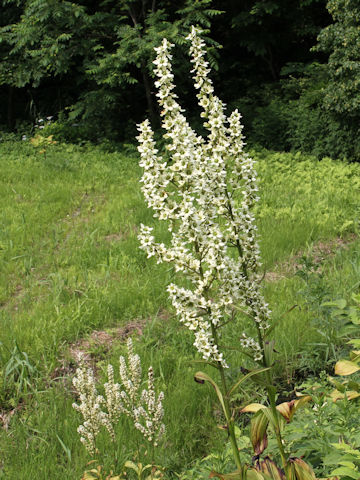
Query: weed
[[18, 376]]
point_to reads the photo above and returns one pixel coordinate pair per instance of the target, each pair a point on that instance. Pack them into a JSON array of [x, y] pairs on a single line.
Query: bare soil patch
[[319, 252], [103, 340], [114, 237], [88, 350], [17, 292], [6, 415], [123, 235]]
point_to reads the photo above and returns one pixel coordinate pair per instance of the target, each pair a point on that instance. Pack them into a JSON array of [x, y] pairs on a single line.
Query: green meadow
[[73, 279]]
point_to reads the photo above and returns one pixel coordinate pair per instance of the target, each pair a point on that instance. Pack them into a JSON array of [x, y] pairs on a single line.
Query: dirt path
[[318, 252]]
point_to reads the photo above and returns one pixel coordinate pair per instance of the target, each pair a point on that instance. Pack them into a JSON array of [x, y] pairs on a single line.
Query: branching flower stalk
[[206, 192], [89, 407], [142, 406]]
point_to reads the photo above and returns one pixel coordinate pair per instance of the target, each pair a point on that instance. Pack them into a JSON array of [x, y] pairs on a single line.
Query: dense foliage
[[341, 40], [85, 58], [292, 72]]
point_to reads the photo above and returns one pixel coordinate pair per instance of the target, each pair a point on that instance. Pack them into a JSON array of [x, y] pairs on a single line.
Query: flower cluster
[[206, 192], [89, 407], [41, 123], [131, 380], [149, 414], [144, 408]]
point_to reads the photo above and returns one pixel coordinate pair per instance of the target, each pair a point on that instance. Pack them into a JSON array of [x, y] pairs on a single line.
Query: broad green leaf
[[204, 362], [354, 355], [355, 386], [269, 352], [341, 304], [339, 386], [253, 474], [346, 471], [344, 447]]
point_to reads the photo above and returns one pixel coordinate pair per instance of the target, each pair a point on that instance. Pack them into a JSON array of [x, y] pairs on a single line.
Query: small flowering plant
[[206, 191], [141, 405]]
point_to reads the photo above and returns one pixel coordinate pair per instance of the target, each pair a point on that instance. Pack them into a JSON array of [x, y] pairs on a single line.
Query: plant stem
[[271, 396], [227, 409], [227, 412], [276, 426]]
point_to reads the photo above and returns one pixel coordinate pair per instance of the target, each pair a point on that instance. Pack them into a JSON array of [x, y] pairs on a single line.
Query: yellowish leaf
[[252, 408], [350, 395], [258, 436], [345, 367], [227, 476]]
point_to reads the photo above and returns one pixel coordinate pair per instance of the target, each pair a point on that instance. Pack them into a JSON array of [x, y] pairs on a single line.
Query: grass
[[63, 273], [70, 264]]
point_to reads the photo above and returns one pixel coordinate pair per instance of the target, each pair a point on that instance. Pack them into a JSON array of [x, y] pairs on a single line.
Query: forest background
[[292, 67]]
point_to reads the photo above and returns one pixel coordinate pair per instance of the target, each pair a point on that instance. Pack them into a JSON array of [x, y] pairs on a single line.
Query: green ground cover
[[70, 264]]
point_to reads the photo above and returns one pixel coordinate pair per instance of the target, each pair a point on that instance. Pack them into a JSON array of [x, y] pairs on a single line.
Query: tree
[[10, 13], [46, 41], [341, 40], [41, 40], [143, 25], [102, 46]]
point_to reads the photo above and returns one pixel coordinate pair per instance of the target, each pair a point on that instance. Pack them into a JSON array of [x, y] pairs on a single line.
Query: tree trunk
[[272, 64], [149, 98], [10, 108]]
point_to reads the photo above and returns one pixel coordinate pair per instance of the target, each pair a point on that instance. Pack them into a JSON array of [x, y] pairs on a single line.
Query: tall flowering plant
[[206, 191], [195, 193]]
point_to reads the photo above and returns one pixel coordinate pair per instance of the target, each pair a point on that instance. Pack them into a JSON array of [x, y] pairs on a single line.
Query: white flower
[[89, 407], [148, 416], [206, 192], [143, 407]]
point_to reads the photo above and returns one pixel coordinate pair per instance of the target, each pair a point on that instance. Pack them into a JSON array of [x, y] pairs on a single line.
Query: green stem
[[227, 412], [270, 388], [272, 401], [152, 453], [277, 428]]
